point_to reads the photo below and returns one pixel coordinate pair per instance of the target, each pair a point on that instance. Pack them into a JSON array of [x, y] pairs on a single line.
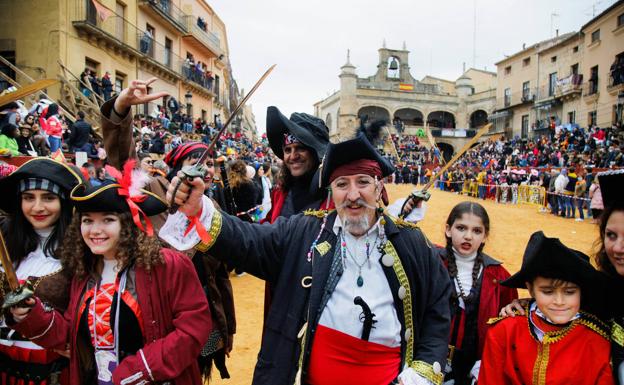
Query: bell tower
[[347, 114]]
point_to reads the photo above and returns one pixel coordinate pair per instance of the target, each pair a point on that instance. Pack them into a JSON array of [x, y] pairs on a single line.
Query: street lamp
[[189, 107]]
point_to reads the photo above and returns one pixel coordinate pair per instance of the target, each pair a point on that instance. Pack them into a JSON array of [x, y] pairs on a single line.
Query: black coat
[[277, 253], [80, 133]]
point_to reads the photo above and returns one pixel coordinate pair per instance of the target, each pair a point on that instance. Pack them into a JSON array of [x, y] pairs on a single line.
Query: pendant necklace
[[345, 251]]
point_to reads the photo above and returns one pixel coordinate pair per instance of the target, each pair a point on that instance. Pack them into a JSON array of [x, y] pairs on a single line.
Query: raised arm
[[117, 120]]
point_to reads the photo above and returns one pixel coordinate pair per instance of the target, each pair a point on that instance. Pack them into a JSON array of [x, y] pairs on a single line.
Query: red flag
[[102, 11]]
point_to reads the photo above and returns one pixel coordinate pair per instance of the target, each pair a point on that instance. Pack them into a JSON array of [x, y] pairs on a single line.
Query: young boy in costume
[[555, 342]]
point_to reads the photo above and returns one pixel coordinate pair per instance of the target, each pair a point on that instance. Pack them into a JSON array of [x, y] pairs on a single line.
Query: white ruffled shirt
[[341, 313]]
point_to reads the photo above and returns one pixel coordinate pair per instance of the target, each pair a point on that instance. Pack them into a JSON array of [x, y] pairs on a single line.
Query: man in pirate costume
[[213, 274], [359, 297], [300, 142], [555, 342], [36, 201]]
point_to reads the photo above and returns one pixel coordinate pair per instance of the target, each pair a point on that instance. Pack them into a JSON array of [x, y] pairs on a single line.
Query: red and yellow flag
[[406, 87]]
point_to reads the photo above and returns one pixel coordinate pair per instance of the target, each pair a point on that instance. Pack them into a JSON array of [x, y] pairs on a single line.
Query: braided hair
[[456, 213]]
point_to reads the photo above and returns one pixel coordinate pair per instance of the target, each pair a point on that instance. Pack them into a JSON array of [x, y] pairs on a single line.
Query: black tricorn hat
[[612, 188], [342, 153], [123, 194], [309, 130], [549, 258], [66, 176], [107, 198]]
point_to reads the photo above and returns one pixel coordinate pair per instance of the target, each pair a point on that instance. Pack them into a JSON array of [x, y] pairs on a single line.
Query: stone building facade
[[452, 110]]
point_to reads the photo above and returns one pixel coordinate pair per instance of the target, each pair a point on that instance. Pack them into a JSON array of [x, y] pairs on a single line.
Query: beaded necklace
[[345, 250]]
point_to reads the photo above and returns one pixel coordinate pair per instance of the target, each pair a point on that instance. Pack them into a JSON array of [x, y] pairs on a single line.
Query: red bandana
[[361, 166]]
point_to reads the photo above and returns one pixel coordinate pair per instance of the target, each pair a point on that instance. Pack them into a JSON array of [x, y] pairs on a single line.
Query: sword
[[198, 169], [18, 292], [424, 194]]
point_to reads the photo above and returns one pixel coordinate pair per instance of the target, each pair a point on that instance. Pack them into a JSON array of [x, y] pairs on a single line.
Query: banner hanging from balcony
[[102, 11], [406, 87]]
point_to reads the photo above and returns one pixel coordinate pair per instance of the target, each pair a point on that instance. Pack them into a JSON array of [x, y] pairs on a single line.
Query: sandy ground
[[511, 228]]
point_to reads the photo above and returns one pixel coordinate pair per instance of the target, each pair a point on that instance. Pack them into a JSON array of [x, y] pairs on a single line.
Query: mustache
[[359, 202]]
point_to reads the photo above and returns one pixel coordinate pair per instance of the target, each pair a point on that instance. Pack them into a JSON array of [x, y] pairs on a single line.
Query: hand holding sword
[[19, 294], [189, 174]]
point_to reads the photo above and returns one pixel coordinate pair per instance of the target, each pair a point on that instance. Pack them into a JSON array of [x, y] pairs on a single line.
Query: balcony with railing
[[590, 89], [113, 30], [121, 35], [570, 85], [198, 35], [167, 11], [516, 98], [616, 81]]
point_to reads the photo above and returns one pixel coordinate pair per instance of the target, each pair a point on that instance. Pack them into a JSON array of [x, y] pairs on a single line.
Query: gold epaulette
[[494, 320], [617, 333], [592, 322], [316, 213]]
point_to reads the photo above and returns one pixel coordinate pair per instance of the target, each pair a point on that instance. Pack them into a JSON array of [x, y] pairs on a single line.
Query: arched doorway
[[478, 118], [409, 116], [328, 121], [447, 151], [441, 119], [374, 113]]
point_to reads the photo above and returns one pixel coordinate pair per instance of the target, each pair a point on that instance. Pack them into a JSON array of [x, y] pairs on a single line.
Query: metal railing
[[616, 78], [591, 87], [117, 29], [517, 98], [170, 10], [208, 38]]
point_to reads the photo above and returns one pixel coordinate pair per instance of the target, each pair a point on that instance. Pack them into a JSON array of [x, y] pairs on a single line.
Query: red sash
[[338, 359]]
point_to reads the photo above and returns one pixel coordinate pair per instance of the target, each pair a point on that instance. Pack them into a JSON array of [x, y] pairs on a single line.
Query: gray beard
[[357, 226]]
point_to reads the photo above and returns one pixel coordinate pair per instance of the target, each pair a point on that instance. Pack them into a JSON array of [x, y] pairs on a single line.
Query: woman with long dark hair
[[610, 261], [38, 211], [133, 316]]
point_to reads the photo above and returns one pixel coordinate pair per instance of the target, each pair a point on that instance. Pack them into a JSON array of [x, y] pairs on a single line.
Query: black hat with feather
[[300, 128]]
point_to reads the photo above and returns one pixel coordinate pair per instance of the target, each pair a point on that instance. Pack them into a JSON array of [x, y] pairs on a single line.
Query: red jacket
[[493, 295], [54, 127], [278, 196], [177, 325], [575, 355]]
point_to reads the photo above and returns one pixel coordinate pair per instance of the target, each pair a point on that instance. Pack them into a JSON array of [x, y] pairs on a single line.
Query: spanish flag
[[406, 87]]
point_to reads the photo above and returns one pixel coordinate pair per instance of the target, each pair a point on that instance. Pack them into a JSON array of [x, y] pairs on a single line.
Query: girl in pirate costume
[[36, 200], [556, 342], [133, 315], [477, 294]]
